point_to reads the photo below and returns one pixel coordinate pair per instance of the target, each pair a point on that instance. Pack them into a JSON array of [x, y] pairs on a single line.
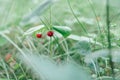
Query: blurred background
[[85, 32]]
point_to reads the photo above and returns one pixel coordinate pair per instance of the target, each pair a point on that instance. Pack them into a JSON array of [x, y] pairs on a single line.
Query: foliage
[[77, 49]]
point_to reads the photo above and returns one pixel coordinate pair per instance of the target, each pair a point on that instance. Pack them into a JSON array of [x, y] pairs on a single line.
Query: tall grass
[[109, 37], [68, 55]]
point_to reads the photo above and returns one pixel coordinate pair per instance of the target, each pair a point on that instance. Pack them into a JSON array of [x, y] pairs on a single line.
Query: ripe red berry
[[7, 57], [50, 33], [39, 35]]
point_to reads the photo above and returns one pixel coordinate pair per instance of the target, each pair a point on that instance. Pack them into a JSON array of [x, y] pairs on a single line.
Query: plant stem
[[82, 25], [108, 24], [93, 9], [108, 37]]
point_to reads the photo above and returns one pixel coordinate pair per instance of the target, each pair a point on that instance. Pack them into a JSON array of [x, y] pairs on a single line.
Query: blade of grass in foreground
[[48, 69]]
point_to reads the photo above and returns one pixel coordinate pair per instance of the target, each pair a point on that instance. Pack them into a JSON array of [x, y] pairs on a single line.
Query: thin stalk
[[44, 23], [90, 2], [50, 47], [50, 17], [6, 70], [108, 36], [108, 24], [82, 26], [13, 72]]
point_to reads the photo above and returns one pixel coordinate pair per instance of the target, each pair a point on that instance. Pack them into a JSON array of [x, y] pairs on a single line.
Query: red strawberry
[[50, 33], [39, 35]]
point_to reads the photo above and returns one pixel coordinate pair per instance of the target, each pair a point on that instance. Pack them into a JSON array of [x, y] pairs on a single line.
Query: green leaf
[[33, 29], [83, 38], [21, 77], [16, 66], [64, 30]]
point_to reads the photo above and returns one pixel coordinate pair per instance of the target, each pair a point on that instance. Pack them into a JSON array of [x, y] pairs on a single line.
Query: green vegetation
[[59, 40]]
